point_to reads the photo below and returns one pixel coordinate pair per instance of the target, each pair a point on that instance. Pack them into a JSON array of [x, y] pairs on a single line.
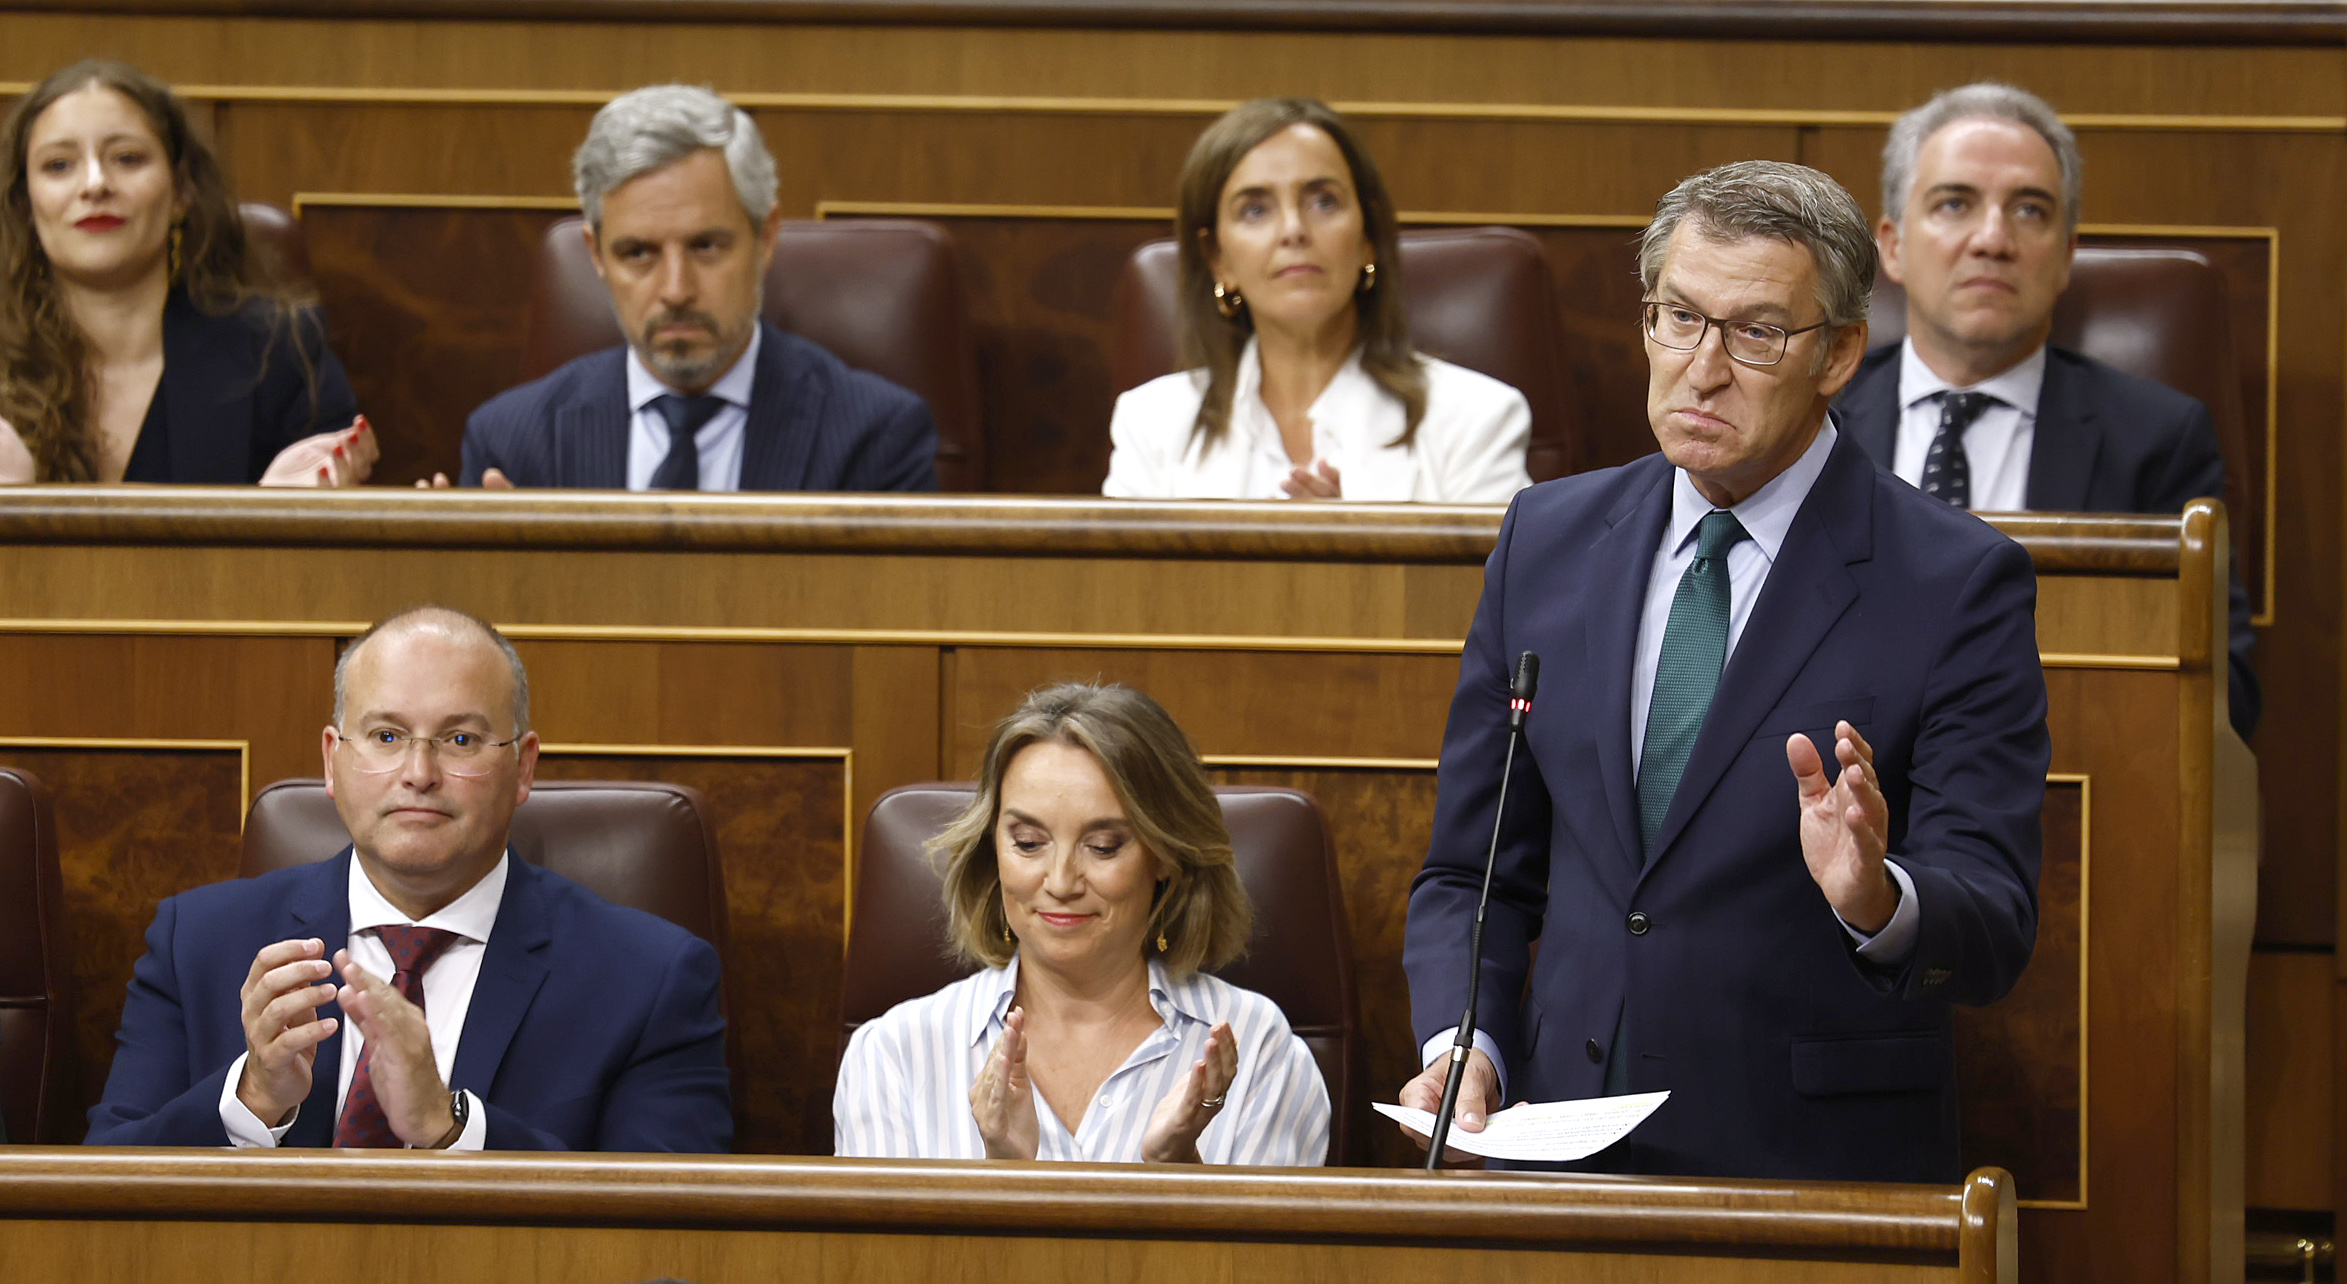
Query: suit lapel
[[1807, 592], [1869, 410], [779, 439], [591, 433], [1616, 609], [512, 969], [2065, 442], [208, 436], [322, 909]]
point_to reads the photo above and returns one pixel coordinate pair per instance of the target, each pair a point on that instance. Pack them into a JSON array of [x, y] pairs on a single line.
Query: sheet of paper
[[1549, 1132]]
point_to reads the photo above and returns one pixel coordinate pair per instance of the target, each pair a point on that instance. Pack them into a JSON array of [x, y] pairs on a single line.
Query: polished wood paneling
[[2290, 1029], [133, 826], [781, 830], [2019, 1061]]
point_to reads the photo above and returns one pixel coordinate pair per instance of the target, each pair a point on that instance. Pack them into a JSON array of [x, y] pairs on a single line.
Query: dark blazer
[[2106, 442], [816, 423], [1787, 1054], [239, 388], [592, 1027]]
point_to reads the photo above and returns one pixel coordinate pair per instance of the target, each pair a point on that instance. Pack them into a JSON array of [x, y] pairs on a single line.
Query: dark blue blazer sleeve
[[156, 1095], [1969, 833], [1442, 898]]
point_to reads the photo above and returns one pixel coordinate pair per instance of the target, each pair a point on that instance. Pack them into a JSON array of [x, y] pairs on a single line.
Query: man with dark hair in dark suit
[[679, 195], [1780, 801], [1980, 219]]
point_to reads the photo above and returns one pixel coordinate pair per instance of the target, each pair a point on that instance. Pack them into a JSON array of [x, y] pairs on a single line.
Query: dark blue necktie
[[686, 416], [1947, 470]]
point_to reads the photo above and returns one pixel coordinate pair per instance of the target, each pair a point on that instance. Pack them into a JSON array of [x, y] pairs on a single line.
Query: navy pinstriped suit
[[815, 423]]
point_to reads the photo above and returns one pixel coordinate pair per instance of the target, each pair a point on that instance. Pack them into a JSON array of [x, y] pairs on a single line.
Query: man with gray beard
[[679, 195]]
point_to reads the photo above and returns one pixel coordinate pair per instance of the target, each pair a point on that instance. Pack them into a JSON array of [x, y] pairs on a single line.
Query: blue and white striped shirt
[[904, 1085]]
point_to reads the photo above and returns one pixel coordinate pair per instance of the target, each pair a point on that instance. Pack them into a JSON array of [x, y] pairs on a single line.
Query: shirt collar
[[2017, 386], [1766, 514], [471, 915], [1350, 397], [733, 386], [1171, 999]]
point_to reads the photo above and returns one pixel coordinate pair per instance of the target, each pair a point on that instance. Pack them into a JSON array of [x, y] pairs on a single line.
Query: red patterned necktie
[[412, 950]]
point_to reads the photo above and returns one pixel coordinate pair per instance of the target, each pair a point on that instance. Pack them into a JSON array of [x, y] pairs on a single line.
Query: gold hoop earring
[[1227, 302], [1006, 933], [176, 236], [1368, 278]]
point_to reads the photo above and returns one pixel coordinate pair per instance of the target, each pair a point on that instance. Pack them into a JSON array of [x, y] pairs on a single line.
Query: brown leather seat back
[[1301, 955], [276, 238], [2163, 314], [884, 295], [37, 1080], [644, 845], [1478, 297]]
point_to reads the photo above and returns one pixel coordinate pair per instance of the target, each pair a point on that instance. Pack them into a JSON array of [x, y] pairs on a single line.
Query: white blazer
[[1469, 448]]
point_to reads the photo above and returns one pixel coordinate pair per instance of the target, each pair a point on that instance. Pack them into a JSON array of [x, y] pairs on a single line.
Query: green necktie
[[1694, 648]]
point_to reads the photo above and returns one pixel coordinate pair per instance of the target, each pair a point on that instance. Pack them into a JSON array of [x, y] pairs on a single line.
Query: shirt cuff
[[1439, 1048], [476, 1130], [1896, 940], [244, 1127]]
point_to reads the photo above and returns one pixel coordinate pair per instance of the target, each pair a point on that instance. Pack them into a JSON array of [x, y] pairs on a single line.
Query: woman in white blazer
[[1306, 385]]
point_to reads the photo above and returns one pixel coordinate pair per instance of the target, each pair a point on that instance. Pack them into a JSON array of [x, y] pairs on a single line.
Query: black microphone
[[1519, 706]]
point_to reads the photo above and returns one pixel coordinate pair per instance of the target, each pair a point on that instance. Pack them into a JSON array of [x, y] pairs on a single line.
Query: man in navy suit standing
[[679, 196], [424, 988], [1781, 805], [1981, 190]]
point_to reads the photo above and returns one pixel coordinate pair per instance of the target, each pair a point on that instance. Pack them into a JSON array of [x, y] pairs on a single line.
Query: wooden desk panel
[[798, 655]]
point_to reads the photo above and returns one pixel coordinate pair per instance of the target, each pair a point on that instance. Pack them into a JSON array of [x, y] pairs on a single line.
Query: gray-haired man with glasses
[[1781, 802], [425, 988]]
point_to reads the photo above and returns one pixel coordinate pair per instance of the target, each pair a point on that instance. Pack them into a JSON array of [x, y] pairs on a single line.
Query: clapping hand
[[1194, 1102], [282, 1029], [417, 1105], [1317, 480], [16, 463], [494, 479], [343, 457], [1003, 1098]]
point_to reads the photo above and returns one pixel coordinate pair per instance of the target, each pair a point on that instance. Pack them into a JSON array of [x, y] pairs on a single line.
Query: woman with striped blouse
[[1092, 880]]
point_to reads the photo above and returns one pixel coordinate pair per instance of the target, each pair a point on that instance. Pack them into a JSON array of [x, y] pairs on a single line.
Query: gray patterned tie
[[1694, 649], [1947, 470], [685, 416]]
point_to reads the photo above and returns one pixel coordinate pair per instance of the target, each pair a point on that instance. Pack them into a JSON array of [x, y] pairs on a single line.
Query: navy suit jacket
[[2106, 442], [815, 423], [1789, 1056], [239, 388], [592, 1027]]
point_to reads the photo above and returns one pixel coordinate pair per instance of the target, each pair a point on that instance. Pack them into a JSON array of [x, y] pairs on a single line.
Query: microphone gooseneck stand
[[1519, 705]]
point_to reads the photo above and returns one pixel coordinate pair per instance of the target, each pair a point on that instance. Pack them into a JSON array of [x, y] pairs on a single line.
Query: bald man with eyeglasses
[[423, 989]]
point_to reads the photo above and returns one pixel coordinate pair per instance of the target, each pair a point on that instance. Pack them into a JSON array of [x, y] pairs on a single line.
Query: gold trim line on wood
[[2086, 660], [1108, 106], [583, 748], [953, 209], [2085, 783], [244, 755], [1309, 763], [427, 201], [827, 637]]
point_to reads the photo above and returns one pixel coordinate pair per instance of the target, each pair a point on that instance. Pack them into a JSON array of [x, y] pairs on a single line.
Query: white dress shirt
[[719, 441], [1469, 448], [1767, 516], [904, 1085], [1997, 445], [448, 996]]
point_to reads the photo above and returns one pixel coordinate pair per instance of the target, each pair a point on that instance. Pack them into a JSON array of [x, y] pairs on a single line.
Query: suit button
[[1596, 1053], [1639, 922]]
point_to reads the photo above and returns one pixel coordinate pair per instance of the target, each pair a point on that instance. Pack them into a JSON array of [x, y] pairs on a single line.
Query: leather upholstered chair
[[1479, 297], [277, 237], [644, 845], [37, 1082], [883, 295], [1301, 956], [2163, 314]]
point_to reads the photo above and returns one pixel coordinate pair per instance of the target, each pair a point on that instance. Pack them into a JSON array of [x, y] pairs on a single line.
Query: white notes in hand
[[1549, 1132]]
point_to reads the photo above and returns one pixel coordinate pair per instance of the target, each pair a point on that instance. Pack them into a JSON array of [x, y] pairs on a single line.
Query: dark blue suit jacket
[[592, 1027], [816, 423], [2106, 442], [1788, 1055], [239, 388]]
